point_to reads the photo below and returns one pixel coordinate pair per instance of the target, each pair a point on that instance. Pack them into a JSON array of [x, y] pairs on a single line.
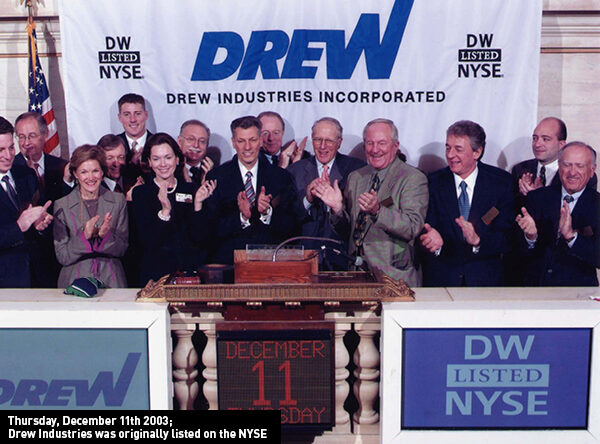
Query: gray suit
[[81, 257], [389, 242]]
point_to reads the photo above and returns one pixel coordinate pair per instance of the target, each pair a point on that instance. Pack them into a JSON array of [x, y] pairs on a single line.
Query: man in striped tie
[[254, 203]]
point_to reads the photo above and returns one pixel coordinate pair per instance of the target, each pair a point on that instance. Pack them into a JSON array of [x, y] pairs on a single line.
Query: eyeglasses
[[30, 137], [327, 142], [194, 141]]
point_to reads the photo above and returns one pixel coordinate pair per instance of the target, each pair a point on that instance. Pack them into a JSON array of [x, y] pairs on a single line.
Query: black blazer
[[551, 261], [166, 246], [221, 213], [14, 244], [457, 265], [530, 166], [54, 185]]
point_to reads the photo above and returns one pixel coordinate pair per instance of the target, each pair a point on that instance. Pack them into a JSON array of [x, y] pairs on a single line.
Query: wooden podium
[[248, 271], [284, 282]]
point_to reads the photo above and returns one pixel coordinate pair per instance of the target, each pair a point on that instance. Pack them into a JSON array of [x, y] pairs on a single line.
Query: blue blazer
[[221, 214], [457, 265], [551, 262]]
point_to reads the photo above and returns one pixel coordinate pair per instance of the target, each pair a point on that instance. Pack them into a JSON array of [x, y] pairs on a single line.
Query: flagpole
[[39, 95]]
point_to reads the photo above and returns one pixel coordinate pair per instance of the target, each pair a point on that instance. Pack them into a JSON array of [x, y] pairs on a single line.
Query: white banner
[[424, 64]]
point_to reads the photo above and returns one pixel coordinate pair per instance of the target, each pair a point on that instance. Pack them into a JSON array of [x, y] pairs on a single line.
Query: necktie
[[275, 159], [568, 198], [463, 201], [134, 146], [36, 168], [543, 175], [12, 194], [118, 188], [196, 175], [325, 173], [250, 194], [362, 221]]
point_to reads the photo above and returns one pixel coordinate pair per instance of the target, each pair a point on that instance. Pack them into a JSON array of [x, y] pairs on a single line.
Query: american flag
[[39, 97]]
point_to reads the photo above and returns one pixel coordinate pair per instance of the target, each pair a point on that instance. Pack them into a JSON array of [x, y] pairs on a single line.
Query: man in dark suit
[[133, 117], [119, 176], [470, 215], [326, 165], [32, 131], [19, 220], [548, 138], [560, 224], [254, 202], [273, 128], [193, 140]]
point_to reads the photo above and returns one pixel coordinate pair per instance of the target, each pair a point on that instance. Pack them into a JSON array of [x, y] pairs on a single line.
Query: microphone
[[357, 261], [292, 239]]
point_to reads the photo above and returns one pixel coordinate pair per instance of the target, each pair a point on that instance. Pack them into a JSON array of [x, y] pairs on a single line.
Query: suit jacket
[[305, 155], [165, 245], [389, 242], [316, 222], [551, 261], [530, 166], [457, 264], [15, 246], [83, 257], [126, 143], [54, 186], [221, 213]]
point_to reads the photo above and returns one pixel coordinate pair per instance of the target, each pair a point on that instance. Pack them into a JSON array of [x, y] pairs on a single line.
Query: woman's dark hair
[[159, 139]]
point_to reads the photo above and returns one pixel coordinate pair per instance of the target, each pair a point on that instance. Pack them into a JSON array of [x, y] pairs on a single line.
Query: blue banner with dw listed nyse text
[[495, 378]]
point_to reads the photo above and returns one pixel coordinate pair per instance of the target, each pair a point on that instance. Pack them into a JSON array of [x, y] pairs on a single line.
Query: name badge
[[183, 197]]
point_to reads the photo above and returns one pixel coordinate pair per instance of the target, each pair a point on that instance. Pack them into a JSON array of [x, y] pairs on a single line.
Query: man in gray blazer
[[329, 165], [383, 206]]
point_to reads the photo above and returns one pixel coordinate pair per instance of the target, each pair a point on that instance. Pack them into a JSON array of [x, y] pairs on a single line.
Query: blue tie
[[463, 201]]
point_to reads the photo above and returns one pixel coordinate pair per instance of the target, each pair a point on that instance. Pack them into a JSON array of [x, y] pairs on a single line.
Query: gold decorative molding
[[337, 287]]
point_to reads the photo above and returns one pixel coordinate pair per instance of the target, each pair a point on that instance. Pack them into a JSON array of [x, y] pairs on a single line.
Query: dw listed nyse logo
[[479, 59], [118, 61]]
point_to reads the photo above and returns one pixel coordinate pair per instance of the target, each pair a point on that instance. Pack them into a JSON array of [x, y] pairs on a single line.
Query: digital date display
[[285, 370]]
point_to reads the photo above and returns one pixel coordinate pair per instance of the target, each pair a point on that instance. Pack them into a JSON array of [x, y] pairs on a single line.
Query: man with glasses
[[383, 206], [193, 140], [272, 147], [326, 165], [32, 131]]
